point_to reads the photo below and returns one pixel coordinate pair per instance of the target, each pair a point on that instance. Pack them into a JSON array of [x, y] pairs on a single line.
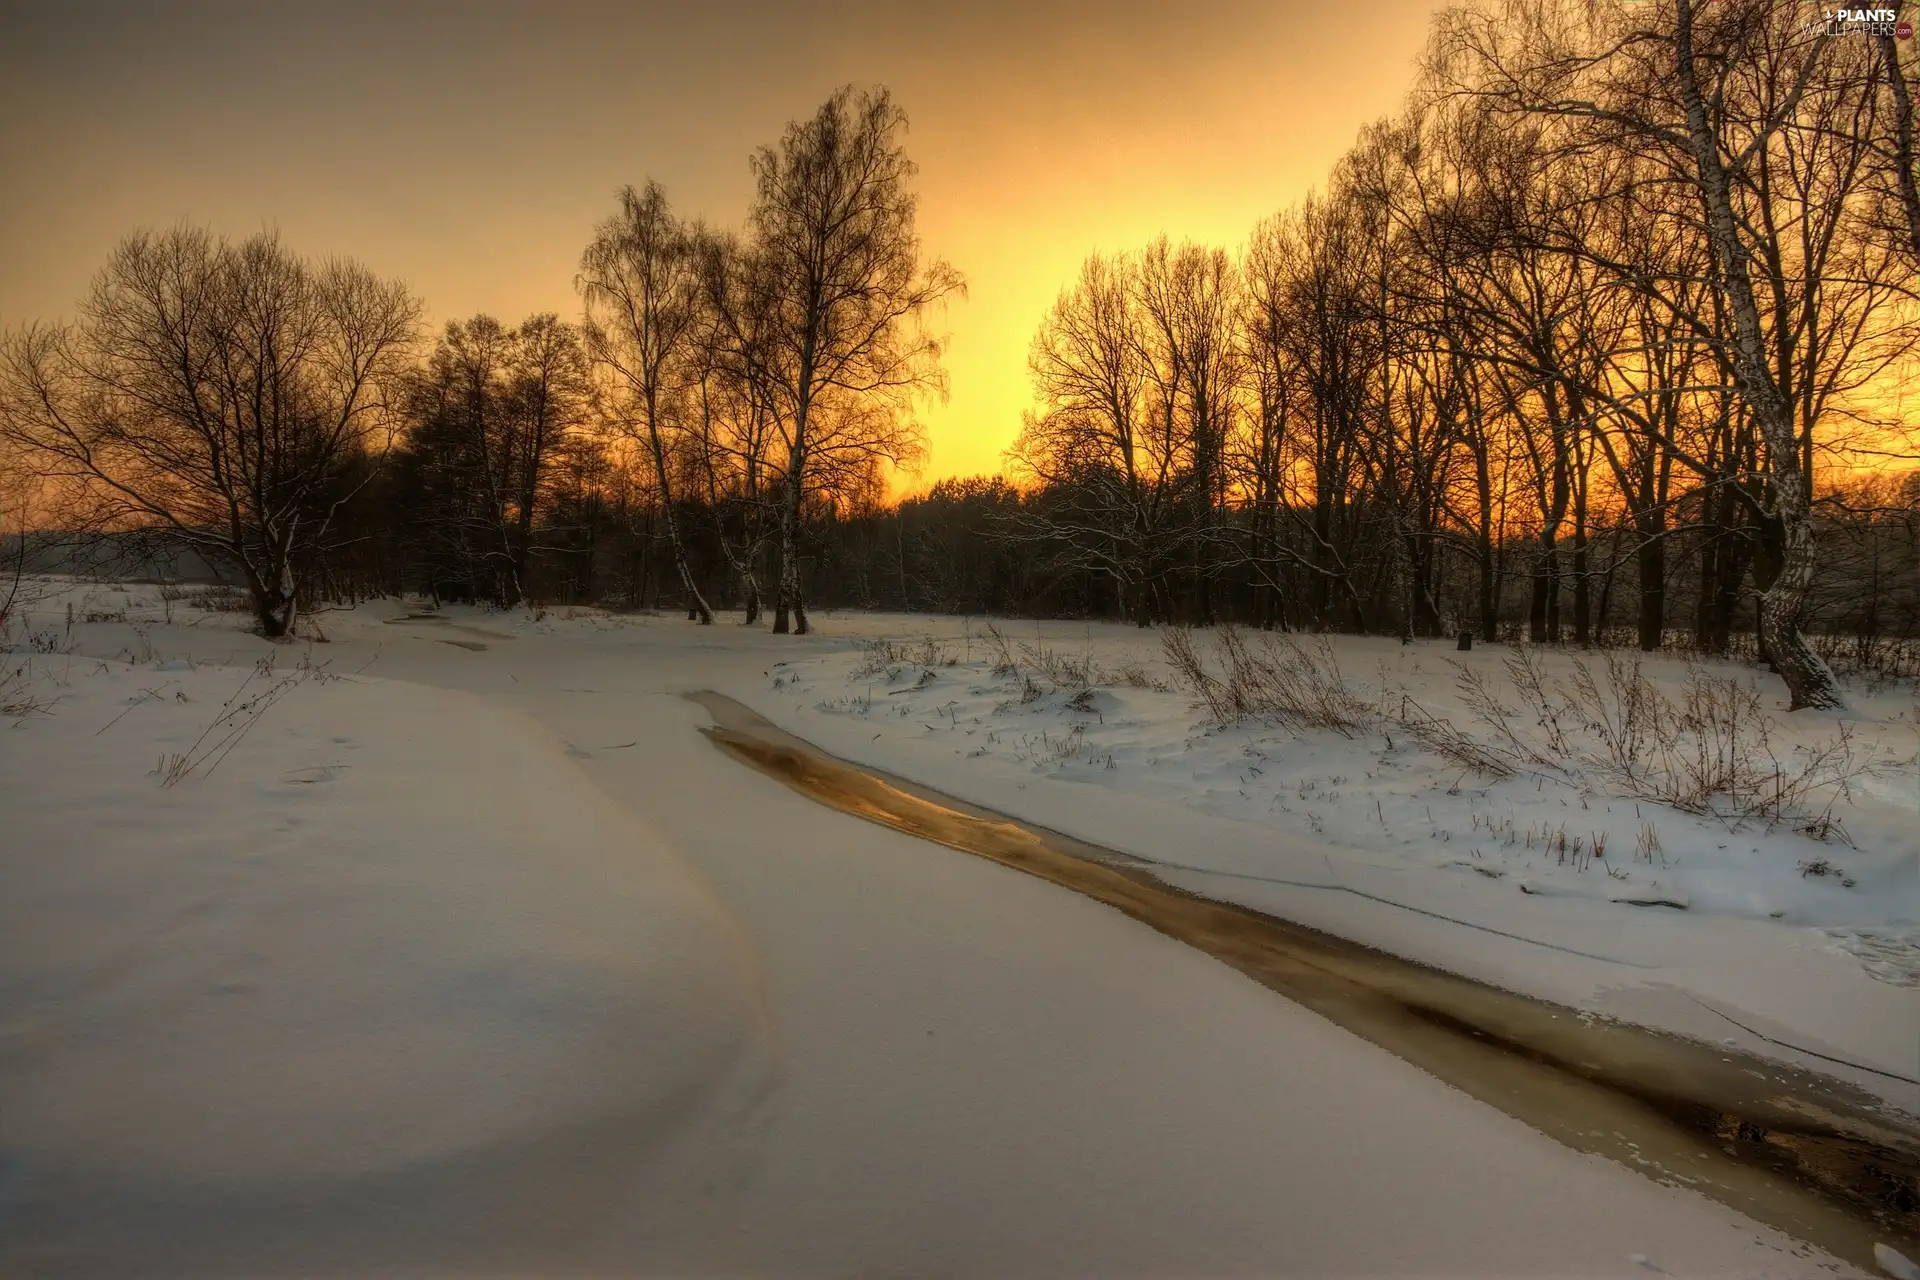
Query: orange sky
[[469, 147]]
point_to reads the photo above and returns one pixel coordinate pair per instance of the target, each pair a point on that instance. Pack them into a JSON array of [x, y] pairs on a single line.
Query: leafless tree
[[833, 264], [641, 281], [736, 418], [1900, 149], [1108, 437], [231, 396], [492, 412], [1718, 103]]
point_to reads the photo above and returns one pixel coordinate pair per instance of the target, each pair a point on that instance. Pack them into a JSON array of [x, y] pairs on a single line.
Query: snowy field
[[272, 939], [1103, 709], [1807, 917], [448, 946]]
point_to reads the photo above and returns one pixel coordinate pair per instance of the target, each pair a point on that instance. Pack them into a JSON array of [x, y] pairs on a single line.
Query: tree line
[[1598, 338], [270, 411], [1622, 283]]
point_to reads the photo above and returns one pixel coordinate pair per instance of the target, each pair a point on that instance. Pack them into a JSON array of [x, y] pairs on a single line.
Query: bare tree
[[491, 414], [226, 395], [1112, 437], [736, 424], [1312, 289], [1710, 119], [1901, 157], [834, 267], [641, 281], [549, 393], [1190, 300]]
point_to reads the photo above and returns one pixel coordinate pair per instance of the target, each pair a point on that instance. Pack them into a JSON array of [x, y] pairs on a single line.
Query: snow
[[479, 959], [1398, 847], [393, 942], [1895, 1263]]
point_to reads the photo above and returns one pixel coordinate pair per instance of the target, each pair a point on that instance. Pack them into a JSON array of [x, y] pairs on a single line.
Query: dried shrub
[[242, 710], [219, 599], [1710, 749], [1278, 679]]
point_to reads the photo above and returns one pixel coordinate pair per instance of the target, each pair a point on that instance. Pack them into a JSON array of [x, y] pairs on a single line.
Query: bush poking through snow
[[1706, 749], [1822, 868], [1135, 676], [1440, 737], [888, 657], [218, 599], [1646, 845], [1061, 670], [1278, 679], [1002, 650], [238, 714], [17, 699]]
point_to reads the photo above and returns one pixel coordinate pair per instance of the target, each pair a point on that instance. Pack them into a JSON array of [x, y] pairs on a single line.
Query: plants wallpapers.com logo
[[1866, 22]]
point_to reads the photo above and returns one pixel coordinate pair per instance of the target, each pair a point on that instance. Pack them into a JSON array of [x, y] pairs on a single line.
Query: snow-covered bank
[[390, 975], [975, 1071], [1495, 878]]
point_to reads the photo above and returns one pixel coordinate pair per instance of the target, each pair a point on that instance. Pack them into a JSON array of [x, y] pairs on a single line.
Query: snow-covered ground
[[470, 956], [1106, 712], [1720, 926], [381, 950]]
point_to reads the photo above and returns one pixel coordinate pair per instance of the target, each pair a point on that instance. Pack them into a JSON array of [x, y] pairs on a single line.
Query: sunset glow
[[1036, 638], [471, 151]]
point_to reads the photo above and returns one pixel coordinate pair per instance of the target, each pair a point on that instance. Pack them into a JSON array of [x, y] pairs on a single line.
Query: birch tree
[[640, 278], [834, 262], [1668, 84]]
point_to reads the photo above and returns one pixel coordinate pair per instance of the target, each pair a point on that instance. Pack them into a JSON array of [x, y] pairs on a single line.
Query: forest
[[1601, 340]]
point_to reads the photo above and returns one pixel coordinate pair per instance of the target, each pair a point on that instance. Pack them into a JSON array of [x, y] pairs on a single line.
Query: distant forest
[[1599, 340]]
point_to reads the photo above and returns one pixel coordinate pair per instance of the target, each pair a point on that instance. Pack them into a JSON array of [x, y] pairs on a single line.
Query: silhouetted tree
[[641, 280], [220, 393], [832, 268]]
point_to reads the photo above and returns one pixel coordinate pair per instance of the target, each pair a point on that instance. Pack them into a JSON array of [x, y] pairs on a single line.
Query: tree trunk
[[1489, 597], [521, 548], [1653, 590], [272, 616], [1902, 140], [1603, 622], [1543, 611], [273, 591], [789, 613], [1321, 598], [750, 588], [1582, 586], [1402, 580], [646, 564], [1730, 570], [697, 610], [1809, 682]]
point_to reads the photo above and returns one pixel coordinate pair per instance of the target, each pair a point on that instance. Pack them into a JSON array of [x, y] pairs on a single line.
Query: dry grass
[[1278, 679], [1708, 748], [18, 699], [1442, 738], [1060, 669], [889, 658], [218, 599], [243, 709]]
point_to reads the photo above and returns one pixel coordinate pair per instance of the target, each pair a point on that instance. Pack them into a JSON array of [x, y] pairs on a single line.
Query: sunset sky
[[469, 148]]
